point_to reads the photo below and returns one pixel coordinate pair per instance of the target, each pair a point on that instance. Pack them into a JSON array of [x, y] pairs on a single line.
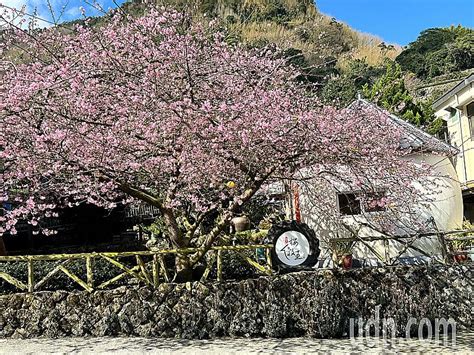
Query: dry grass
[[302, 27], [317, 35], [368, 48]]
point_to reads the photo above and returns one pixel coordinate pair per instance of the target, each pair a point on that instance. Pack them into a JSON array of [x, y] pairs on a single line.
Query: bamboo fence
[[151, 272], [150, 267]]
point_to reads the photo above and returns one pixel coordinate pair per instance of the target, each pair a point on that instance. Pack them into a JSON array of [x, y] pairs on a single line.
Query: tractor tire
[[295, 246]]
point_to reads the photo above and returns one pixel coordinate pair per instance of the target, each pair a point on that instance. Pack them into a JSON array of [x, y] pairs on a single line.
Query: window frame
[[346, 195], [361, 198], [470, 119]]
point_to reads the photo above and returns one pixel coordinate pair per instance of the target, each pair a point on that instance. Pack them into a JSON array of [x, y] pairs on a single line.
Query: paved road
[[464, 344]]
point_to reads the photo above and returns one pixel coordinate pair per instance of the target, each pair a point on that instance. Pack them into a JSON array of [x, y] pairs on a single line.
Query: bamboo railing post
[[161, 260], [444, 248], [156, 271], [143, 269], [211, 261], [75, 278], [139, 272], [31, 276], [268, 254], [89, 271], [219, 265]]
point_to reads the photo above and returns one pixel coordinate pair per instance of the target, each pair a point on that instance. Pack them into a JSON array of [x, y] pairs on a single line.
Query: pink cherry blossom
[[161, 110]]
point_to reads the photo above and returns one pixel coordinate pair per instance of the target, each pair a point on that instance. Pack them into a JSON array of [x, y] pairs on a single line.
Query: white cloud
[[17, 4], [40, 11], [73, 12]]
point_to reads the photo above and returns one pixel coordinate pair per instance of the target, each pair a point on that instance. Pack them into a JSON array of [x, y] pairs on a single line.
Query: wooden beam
[[372, 250], [256, 265], [15, 282], [90, 271], [31, 276], [116, 278], [54, 257], [143, 270], [123, 267], [50, 274], [268, 254], [210, 264], [219, 265], [76, 279], [156, 271], [163, 268]]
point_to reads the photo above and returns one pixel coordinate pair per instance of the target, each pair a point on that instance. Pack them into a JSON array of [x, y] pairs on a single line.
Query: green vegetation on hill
[[341, 61], [349, 81], [390, 92], [439, 51]]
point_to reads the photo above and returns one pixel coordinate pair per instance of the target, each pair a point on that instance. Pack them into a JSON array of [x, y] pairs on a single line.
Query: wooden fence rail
[[149, 267], [150, 272]]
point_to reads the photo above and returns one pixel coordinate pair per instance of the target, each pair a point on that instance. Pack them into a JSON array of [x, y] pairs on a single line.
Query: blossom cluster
[[160, 109]]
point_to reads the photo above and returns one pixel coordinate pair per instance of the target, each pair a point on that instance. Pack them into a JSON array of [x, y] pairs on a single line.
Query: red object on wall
[[460, 257], [347, 261], [296, 194]]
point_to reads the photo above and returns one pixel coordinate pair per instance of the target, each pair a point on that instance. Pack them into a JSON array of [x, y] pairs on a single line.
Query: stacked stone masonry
[[315, 304]]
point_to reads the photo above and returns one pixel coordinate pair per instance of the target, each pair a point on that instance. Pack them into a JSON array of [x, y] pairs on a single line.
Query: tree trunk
[[3, 250], [175, 234], [184, 270], [183, 265]]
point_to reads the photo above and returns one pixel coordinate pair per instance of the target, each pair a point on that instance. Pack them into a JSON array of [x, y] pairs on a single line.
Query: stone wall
[[317, 304]]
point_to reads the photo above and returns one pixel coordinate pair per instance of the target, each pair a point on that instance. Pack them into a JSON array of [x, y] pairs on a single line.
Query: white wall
[[445, 206]]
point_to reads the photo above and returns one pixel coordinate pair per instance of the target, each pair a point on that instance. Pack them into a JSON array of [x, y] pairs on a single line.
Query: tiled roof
[[413, 138]]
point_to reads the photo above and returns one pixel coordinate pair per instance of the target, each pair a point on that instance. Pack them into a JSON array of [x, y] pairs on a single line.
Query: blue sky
[[399, 21], [72, 8], [395, 21]]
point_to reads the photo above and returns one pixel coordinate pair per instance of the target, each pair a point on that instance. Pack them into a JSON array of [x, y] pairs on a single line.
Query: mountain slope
[[289, 24]]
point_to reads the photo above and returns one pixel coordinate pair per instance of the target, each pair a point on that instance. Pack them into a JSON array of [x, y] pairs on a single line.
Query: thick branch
[[175, 234], [225, 219]]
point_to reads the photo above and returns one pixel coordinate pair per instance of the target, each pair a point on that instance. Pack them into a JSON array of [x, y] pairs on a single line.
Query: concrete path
[[464, 344]]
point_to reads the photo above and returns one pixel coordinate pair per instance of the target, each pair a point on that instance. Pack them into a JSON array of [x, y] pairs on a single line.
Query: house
[[439, 210], [456, 108]]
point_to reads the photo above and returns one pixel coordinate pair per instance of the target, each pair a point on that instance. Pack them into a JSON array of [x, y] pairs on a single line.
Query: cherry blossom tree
[[159, 109]]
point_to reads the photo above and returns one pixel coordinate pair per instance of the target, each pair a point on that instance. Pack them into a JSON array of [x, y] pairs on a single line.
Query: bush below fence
[[319, 304]]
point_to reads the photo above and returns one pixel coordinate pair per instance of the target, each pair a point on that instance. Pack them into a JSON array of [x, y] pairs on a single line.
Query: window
[[443, 133], [355, 203], [470, 118], [349, 204], [453, 114]]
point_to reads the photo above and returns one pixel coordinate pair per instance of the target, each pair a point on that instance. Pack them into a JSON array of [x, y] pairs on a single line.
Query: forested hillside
[[439, 51], [341, 61], [318, 43], [337, 60]]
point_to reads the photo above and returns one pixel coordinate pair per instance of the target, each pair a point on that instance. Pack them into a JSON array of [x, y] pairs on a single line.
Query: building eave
[[440, 102]]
